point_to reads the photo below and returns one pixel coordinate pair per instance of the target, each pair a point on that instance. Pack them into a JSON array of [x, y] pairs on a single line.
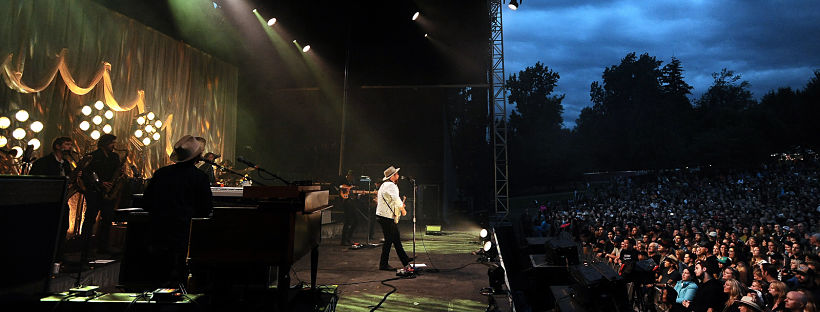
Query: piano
[[260, 226]]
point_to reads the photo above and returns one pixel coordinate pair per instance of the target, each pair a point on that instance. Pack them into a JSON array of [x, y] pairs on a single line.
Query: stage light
[[150, 116], [416, 15], [95, 134], [34, 142], [484, 233], [84, 125], [141, 120], [99, 105], [149, 128], [513, 5], [107, 128], [272, 21], [146, 141], [425, 35], [109, 114], [138, 133], [158, 124], [254, 10], [19, 133], [21, 115], [488, 245], [18, 151], [36, 126], [3, 141], [5, 122], [86, 110], [96, 120], [156, 136], [306, 48]]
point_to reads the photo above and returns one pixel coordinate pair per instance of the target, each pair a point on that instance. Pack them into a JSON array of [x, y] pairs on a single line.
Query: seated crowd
[[691, 240]]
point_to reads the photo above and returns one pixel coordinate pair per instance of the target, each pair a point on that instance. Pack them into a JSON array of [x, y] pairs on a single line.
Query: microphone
[[246, 162]]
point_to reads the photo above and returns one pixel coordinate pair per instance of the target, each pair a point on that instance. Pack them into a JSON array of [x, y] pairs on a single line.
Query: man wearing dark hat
[[98, 177], [388, 210], [175, 194]]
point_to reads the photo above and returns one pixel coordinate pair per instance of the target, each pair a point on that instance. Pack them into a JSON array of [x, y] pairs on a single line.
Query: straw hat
[[389, 172]]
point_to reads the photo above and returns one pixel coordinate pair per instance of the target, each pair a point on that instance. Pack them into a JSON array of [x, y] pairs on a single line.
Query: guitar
[[346, 190], [398, 212]]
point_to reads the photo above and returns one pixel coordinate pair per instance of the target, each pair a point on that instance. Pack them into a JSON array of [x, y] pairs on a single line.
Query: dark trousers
[[391, 237], [96, 203], [351, 219]]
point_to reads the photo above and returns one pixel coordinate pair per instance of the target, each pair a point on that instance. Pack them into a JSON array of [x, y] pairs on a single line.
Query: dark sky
[[771, 44]]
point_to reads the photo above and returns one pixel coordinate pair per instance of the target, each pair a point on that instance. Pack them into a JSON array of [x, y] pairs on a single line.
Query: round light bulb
[[141, 120], [21, 115], [96, 120], [150, 116], [34, 142], [86, 110], [36, 126], [272, 21], [416, 16], [306, 48], [19, 133], [95, 134], [99, 105], [149, 128], [3, 141], [156, 136], [146, 141], [5, 122], [158, 124], [85, 125], [138, 133], [109, 114], [107, 128], [18, 151]]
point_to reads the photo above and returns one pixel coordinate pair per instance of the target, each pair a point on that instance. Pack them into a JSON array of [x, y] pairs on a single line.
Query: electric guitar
[[397, 212]]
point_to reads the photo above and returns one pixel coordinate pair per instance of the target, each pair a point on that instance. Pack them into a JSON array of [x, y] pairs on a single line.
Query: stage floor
[[455, 287]]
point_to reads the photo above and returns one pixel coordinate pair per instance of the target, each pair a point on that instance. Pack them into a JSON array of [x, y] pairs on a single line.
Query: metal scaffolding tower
[[498, 109]]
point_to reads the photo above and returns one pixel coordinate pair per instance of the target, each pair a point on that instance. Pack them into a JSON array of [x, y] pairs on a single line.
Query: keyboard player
[[175, 194]]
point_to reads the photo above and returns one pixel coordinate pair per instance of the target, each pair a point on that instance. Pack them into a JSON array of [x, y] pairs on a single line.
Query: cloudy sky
[[772, 44]]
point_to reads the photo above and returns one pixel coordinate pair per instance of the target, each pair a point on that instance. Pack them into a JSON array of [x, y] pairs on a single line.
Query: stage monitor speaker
[[31, 211], [561, 252]]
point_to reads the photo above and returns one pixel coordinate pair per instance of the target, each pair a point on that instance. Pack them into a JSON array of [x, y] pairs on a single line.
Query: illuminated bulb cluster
[[148, 126], [15, 131], [99, 120]]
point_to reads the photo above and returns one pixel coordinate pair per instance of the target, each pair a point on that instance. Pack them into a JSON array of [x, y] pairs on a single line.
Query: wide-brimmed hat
[[749, 302], [389, 172], [188, 148], [671, 258]]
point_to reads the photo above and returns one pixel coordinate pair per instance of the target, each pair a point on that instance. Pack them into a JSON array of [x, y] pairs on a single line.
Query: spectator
[[796, 301], [734, 291], [778, 291]]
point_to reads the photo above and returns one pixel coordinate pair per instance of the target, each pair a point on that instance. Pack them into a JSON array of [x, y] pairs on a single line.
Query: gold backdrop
[[60, 55]]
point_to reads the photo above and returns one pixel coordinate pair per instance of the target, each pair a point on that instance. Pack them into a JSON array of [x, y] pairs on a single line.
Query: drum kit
[[224, 176]]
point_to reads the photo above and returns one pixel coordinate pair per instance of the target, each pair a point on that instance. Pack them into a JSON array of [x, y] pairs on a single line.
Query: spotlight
[[150, 115], [272, 21], [158, 124], [95, 134], [254, 10], [416, 15], [141, 120], [149, 128], [19, 133], [425, 35], [21, 115], [86, 110], [138, 133], [36, 126], [107, 128], [34, 142], [513, 5], [484, 233], [306, 48], [488, 245], [96, 120], [5, 122], [18, 151], [85, 125], [156, 136], [109, 114], [146, 141], [99, 105], [3, 141]]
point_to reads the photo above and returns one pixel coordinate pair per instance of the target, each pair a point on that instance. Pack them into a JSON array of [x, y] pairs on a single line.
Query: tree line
[[642, 116]]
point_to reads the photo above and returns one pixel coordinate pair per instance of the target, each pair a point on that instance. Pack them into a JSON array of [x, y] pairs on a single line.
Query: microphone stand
[[220, 167], [415, 188], [272, 174]]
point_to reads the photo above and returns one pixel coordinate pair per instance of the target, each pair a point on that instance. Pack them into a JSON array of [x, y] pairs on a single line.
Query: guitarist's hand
[[403, 211]]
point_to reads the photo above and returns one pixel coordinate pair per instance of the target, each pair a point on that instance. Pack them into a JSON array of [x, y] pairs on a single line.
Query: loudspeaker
[[561, 252], [136, 267]]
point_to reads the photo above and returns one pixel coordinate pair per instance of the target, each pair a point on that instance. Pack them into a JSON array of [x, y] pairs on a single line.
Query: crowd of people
[[702, 240]]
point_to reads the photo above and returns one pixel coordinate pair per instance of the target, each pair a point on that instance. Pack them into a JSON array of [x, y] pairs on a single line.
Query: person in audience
[[778, 291], [734, 291], [795, 301], [686, 287]]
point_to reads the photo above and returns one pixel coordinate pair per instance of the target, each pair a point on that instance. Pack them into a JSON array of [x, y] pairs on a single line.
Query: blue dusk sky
[[772, 44]]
